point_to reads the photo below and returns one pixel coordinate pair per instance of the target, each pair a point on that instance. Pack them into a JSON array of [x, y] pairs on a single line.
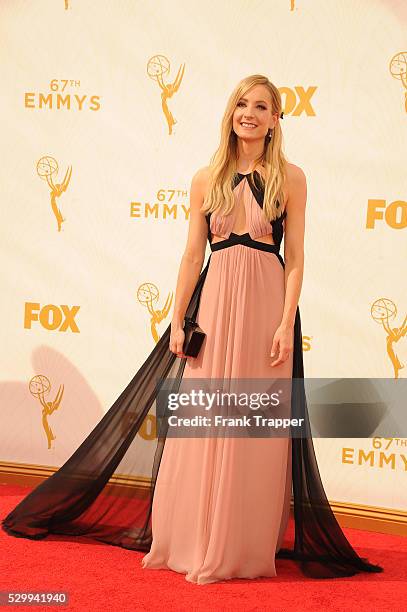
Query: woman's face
[[254, 109]]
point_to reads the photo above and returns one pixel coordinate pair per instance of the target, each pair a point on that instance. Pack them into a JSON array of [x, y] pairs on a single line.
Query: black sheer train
[[97, 493]]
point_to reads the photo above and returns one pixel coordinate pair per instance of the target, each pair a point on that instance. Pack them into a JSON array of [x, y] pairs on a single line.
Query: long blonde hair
[[223, 164]]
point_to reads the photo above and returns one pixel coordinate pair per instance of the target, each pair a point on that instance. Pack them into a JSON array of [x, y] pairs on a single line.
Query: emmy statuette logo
[[39, 386], [398, 70], [158, 67], [47, 167], [382, 311], [148, 295]]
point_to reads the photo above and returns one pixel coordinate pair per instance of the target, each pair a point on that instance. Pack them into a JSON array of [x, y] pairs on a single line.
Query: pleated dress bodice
[[247, 216]]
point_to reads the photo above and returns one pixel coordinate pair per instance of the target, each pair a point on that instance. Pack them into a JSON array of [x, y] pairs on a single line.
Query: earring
[[270, 133]]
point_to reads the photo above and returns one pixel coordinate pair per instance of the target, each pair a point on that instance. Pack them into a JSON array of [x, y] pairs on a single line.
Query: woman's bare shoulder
[[296, 187], [201, 179], [295, 177], [202, 174], [294, 172]]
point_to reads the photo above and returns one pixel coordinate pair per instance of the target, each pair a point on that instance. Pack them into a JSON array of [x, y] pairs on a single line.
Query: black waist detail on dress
[[246, 240]]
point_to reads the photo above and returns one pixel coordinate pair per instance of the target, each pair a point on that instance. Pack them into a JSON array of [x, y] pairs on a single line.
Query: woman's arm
[[294, 262], [191, 261]]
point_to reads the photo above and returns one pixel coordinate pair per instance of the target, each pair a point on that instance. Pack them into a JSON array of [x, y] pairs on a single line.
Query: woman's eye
[[258, 106]]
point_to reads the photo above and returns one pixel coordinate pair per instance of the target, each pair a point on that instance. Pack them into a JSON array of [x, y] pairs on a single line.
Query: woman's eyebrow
[[245, 100]]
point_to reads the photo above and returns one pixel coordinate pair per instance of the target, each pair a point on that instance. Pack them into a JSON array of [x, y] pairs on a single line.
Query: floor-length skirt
[[221, 504], [225, 501]]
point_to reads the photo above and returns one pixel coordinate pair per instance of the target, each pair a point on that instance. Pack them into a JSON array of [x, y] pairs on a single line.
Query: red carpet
[[99, 577]]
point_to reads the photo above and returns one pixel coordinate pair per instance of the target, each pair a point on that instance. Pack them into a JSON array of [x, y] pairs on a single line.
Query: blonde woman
[[221, 506], [215, 508]]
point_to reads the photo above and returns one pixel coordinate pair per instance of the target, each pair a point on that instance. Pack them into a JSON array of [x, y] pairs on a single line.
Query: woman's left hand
[[283, 343]]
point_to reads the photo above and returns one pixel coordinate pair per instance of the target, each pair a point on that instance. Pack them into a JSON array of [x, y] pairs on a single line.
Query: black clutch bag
[[194, 337]]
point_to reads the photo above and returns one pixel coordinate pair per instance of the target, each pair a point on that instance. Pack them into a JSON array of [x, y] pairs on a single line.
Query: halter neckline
[[248, 174]]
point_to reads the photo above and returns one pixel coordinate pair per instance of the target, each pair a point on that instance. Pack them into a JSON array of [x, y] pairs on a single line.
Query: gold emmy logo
[[46, 167], [61, 97], [66, 4], [40, 385], [398, 70], [147, 294], [306, 343], [382, 311], [381, 455], [157, 67]]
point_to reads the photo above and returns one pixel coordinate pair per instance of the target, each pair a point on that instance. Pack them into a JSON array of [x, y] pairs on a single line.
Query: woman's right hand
[[177, 339]]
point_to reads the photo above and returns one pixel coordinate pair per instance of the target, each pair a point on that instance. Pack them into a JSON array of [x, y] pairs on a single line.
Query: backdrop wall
[[108, 109]]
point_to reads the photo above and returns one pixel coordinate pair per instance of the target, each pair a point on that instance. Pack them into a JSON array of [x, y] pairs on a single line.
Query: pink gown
[[215, 507], [221, 505]]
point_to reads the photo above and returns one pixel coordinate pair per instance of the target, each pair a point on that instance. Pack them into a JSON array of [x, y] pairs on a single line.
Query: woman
[[250, 333], [215, 508]]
